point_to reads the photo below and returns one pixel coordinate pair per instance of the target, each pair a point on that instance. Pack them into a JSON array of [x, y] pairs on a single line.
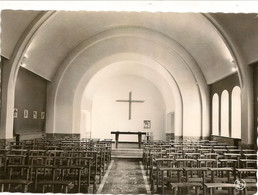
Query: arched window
[[224, 114], [215, 114], [236, 112]]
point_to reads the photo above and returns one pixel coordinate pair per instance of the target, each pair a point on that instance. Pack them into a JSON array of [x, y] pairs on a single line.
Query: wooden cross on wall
[[130, 101]]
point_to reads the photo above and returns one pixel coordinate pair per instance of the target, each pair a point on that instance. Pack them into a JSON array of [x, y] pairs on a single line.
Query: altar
[[130, 133]]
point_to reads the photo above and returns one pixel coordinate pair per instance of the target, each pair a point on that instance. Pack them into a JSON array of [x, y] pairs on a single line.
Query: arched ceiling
[[154, 76], [64, 31]]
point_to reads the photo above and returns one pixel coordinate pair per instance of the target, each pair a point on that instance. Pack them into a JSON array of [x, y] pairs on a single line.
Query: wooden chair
[[44, 174], [212, 186], [186, 162], [3, 165], [96, 167], [220, 178], [16, 145], [13, 184], [63, 186], [152, 166], [192, 155], [18, 175], [49, 175], [175, 155], [249, 156], [209, 155], [156, 177], [72, 175], [37, 152], [208, 162], [15, 159], [78, 170], [225, 162], [204, 150], [231, 147], [88, 178], [248, 163], [195, 177], [250, 179], [249, 151], [172, 176], [234, 151], [149, 156]]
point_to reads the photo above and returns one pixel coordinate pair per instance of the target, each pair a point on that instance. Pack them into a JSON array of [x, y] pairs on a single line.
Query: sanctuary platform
[[126, 150]]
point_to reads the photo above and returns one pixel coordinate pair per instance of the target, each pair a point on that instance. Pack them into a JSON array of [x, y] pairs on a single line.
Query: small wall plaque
[[146, 124], [26, 114], [15, 113], [42, 115], [35, 114]]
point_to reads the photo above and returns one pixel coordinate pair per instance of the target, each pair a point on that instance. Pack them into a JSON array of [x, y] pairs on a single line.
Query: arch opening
[[224, 113], [114, 82], [215, 114], [236, 112]]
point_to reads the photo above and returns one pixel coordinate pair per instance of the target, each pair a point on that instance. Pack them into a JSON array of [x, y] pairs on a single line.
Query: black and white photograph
[[137, 97]]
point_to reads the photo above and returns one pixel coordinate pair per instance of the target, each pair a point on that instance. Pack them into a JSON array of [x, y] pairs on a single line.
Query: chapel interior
[[99, 102]]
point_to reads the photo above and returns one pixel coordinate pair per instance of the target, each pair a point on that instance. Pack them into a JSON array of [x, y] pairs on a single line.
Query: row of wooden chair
[[62, 166], [181, 167]]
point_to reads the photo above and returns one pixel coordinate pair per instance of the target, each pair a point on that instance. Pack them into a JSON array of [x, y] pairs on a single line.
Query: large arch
[[246, 83], [156, 75], [39, 23], [173, 57], [10, 73]]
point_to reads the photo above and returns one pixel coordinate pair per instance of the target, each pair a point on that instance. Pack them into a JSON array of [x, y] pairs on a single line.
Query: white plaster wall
[[109, 115]]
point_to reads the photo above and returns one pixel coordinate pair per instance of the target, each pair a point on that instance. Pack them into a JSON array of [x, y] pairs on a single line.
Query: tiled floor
[[125, 177]]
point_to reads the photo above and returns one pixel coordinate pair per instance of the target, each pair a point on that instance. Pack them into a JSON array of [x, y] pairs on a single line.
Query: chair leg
[[152, 185], [179, 190], [245, 191], [196, 190], [233, 191], [94, 188], [162, 187], [204, 190], [66, 189], [211, 191], [25, 188], [174, 190], [2, 187]]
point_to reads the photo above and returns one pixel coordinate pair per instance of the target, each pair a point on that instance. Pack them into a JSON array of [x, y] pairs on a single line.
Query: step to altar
[[126, 153]]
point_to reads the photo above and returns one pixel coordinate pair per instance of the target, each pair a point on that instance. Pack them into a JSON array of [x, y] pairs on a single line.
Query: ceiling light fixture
[[234, 69], [23, 64]]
